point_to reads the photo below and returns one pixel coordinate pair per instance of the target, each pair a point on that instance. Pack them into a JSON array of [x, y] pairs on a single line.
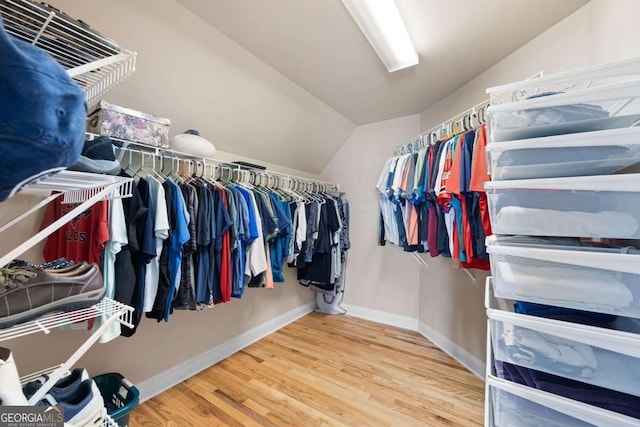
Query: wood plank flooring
[[325, 371]]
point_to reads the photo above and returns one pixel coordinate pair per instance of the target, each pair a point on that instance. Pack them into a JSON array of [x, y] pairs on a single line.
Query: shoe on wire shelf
[[83, 406], [60, 389], [27, 293]]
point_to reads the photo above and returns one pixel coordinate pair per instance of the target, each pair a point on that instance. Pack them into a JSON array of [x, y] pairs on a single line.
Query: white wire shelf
[[95, 62], [109, 422], [79, 187], [107, 307], [33, 375]]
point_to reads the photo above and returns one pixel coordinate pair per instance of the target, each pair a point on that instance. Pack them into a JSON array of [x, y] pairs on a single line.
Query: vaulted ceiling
[[287, 81], [316, 44]]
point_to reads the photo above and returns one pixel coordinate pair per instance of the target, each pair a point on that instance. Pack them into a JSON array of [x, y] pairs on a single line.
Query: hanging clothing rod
[[303, 183], [417, 142]]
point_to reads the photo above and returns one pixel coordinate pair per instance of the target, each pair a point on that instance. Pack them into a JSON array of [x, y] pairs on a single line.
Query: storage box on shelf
[[608, 358], [604, 206], [569, 81], [587, 110], [131, 125], [583, 278], [510, 404], [552, 140], [589, 153]]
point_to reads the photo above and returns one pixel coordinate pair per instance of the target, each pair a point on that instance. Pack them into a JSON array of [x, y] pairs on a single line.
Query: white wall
[[446, 300], [200, 79], [602, 31], [379, 278]]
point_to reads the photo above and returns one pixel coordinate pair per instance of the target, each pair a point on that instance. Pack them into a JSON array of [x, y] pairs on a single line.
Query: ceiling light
[[381, 24]]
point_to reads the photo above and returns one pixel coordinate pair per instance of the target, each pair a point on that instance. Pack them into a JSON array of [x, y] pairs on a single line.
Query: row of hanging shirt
[[433, 200], [189, 242]]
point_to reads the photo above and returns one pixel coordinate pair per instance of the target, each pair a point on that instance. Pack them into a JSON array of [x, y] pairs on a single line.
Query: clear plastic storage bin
[[578, 79], [581, 278], [590, 153], [521, 406], [602, 357], [603, 206], [607, 107]]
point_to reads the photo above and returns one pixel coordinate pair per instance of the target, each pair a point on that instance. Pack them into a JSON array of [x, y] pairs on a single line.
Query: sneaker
[[59, 265], [56, 264], [83, 406], [10, 390], [63, 387], [28, 293]]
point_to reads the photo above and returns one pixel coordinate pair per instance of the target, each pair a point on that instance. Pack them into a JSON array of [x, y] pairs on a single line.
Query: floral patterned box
[[131, 125]]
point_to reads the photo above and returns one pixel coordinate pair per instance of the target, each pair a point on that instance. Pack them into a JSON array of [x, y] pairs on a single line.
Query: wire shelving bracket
[[93, 60], [80, 188]]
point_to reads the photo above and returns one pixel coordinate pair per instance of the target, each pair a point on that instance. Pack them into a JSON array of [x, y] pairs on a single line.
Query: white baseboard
[[466, 359], [169, 378], [378, 316]]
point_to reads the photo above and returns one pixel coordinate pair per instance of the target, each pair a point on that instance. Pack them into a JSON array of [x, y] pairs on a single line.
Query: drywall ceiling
[[316, 44], [287, 81]]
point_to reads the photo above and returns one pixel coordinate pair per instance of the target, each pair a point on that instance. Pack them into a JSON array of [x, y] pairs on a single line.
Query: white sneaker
[[83, 407], [10, 389]]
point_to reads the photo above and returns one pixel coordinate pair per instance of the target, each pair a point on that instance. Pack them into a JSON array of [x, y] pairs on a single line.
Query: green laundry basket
[[120, 396]]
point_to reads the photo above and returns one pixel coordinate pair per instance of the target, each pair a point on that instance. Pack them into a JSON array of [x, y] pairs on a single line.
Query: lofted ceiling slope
[[287, 81], [316, 44]]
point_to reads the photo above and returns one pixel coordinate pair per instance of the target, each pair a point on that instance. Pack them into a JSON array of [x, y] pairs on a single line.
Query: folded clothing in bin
[[600, 320], [601, 397], [513, 219], [568, 284]]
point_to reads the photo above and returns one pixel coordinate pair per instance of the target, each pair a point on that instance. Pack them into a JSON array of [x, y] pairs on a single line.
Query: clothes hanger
[[141, 170], [129, 169], [159, 171]]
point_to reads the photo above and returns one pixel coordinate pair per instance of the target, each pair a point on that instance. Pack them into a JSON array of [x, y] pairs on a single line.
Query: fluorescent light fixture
[[381, 24]]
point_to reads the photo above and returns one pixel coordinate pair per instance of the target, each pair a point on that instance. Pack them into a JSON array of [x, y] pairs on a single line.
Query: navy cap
[[42, 115]]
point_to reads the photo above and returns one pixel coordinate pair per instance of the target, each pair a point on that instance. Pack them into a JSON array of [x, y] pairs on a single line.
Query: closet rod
[[168, 153], [417, 142]]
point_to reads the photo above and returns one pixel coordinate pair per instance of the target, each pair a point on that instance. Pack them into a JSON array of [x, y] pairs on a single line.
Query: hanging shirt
[[256, 259], [186, 297], [124, 269], [118, 234], [479, 171], [225, 252], [320, 269], [145, 253], [205, 227], [81, 239], [164, 280], [480, 175], [157, 205], [244, 236]]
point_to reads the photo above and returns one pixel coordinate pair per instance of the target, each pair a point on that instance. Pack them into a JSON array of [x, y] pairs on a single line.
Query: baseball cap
[[42, 115]]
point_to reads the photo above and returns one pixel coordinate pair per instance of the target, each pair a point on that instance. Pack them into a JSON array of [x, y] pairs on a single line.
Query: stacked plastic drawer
[[557, 149]]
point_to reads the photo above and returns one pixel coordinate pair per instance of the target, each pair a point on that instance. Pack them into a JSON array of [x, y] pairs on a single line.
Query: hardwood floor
[[325, 371]]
